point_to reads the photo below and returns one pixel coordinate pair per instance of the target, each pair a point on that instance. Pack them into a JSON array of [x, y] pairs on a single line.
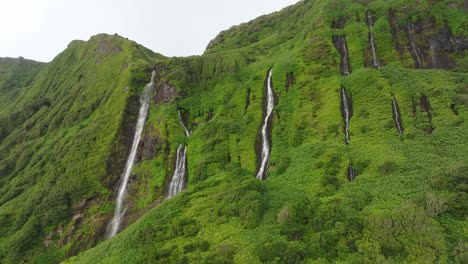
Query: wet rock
[[165, 92]]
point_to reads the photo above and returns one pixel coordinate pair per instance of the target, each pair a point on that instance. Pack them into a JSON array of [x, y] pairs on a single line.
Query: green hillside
[[70, 126]]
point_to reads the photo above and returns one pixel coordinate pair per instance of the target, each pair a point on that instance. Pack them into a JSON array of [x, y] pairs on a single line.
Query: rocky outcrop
[[165, 92], [150, 144]]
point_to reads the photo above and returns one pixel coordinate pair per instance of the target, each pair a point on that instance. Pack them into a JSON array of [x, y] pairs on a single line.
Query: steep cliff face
[[388, 195], [64, 145]]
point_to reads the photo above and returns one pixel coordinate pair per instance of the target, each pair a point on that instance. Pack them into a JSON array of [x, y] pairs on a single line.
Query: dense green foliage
[[407, 204]]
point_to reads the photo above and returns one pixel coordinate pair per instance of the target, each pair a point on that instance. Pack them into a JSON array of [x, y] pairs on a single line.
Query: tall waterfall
[[120, 207], [346, 112], [262, 171], [396, 116], [372, 40], [414, 47], [178, 181]]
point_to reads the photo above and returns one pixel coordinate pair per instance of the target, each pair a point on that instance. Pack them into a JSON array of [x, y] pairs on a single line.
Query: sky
[[41, 29]]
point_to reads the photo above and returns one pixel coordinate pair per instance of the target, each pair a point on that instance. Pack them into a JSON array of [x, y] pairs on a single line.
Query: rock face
[[165, 92], [150, 144]]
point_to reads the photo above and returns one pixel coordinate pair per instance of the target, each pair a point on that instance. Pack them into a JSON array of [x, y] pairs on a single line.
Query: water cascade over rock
[[370, 23], [341, 47], [397, 116], [178, 181], [179, 178], [187, 132], [346, 112], [266, 129], [120, 207], [414, 49]]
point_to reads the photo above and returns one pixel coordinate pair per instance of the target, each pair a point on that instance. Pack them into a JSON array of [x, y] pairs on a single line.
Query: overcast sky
[[41, 29]]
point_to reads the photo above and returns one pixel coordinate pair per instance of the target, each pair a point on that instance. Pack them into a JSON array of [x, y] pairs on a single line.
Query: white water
[[120, 207], [187, 132], [345, 59], [265, 144], [177, 183], [397, 116], [344, 99], [414, 47], [371, 30]]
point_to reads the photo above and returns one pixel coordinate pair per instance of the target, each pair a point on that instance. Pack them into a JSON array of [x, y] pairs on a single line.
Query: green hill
[[71, 123]]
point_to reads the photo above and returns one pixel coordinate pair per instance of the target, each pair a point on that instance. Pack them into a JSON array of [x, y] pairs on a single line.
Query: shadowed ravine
[[120, 207]]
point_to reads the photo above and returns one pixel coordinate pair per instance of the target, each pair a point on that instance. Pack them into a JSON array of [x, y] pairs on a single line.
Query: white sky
[[41, 29]]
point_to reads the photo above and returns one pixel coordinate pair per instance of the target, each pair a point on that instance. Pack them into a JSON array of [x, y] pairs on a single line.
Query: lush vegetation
[[406, 205]]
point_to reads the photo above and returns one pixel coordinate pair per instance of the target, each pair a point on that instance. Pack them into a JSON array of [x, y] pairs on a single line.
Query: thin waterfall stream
[[120, 207], [178, 182], [396, 116], [345, 59], [414, 47], [265, 154], [372, 40], [346, 112]]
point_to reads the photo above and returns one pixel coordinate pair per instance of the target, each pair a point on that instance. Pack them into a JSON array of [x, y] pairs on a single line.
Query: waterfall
[[178, 179], [351, 173], [372, 40], [180, 173], [417, 54], [396, 116], [346, 112], [341, 47], [262, 171], [187, 132], [120, 207], [346, 70]]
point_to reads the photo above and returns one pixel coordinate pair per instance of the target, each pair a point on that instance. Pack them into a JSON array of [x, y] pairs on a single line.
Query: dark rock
[[165, 92]]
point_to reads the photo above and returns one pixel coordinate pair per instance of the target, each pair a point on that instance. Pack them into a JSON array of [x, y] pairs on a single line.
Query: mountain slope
[[406, 201], [57, 161]]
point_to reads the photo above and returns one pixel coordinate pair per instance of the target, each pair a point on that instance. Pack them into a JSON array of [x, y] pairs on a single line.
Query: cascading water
[[396, 116], [120, 207], [178, 179], [346, 112], [340, 45], [262, 171], [187, 132], [414, 48], [372, 40], [346, 70]]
